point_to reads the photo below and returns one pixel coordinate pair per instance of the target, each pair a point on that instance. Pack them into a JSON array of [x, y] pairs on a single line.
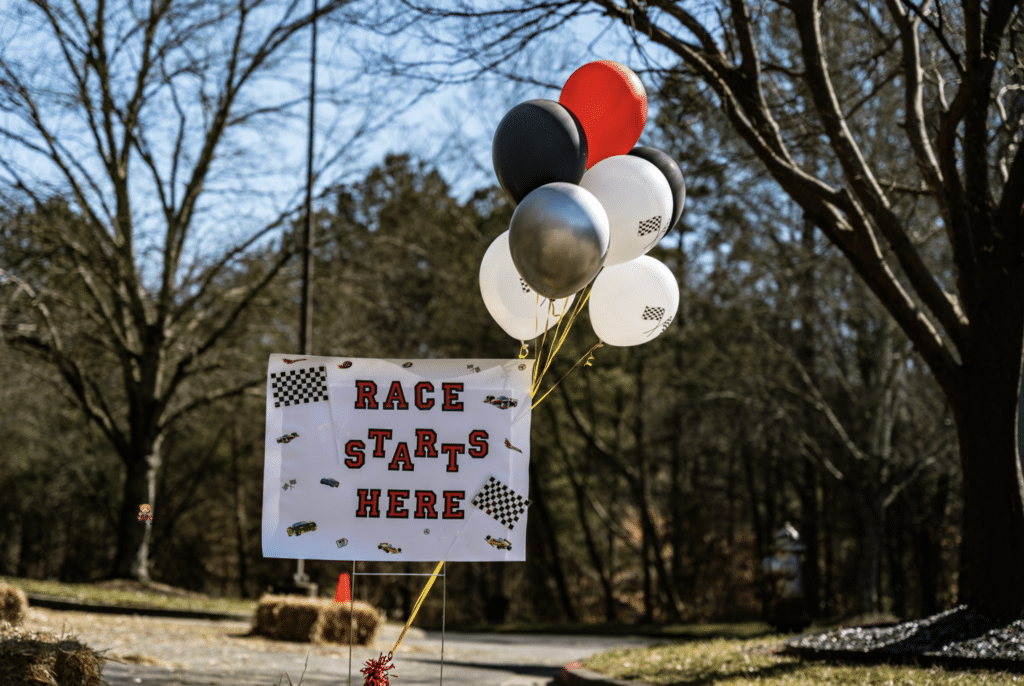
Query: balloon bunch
[[589, 206]]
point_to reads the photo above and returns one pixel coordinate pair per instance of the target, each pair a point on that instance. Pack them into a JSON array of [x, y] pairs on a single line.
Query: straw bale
[[31, 658], [336, 619], [316, 620], [13, 604], [287, 618]]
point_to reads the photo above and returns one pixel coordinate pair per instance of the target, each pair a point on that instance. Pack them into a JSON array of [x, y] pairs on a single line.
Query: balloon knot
[[524, 350]]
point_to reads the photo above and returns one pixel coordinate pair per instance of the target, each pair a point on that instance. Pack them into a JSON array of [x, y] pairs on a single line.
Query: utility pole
[[301, 584]]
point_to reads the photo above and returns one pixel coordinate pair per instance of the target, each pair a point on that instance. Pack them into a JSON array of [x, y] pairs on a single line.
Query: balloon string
[[560, 336], [536, 363], [535, 380], [587, 359], [524, 350], [558, 339]]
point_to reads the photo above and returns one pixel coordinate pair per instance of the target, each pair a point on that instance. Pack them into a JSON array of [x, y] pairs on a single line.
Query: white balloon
[[523, 313], [632, 303], [638, 200]]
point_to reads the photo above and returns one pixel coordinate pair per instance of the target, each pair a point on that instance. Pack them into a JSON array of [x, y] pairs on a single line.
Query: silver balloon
[[558, 239]]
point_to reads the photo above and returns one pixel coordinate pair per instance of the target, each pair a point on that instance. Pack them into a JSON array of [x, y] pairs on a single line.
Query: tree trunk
[[872, 521], [992, 551], [828, 536], [809, 534], [642, 495], [805, 352], [928, 549], [556, 571], [603, 573], [133, 537], [241, 521]]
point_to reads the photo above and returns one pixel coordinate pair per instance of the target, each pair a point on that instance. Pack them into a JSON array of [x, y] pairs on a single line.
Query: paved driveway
[[187, 652]]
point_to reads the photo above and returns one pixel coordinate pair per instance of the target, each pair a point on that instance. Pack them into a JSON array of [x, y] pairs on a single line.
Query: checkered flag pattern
[[653, 314], [299, 386], [526, 286], [501, 502], [652, 225]]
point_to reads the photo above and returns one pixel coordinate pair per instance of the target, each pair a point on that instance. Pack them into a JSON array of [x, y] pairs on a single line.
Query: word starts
[[476, 446]]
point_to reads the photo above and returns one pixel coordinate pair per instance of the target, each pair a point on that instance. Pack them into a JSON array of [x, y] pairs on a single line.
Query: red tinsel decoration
[[376, 670]]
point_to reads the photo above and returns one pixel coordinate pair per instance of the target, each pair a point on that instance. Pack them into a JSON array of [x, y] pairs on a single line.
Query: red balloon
[[611, 104]]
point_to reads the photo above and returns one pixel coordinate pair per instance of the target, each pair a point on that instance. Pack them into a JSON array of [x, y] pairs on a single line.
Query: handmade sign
[[396, 460]]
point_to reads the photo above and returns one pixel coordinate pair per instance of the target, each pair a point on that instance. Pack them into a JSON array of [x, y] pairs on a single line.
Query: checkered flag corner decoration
[[299, 386], [501, 502]]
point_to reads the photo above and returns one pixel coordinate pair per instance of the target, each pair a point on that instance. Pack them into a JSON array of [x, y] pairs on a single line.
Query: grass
[[92, 594], [753, 661]]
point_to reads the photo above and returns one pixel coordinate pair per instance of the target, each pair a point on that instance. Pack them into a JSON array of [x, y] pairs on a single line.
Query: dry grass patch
[[723, 661], [316, 620], [36, 658], [133, 594]]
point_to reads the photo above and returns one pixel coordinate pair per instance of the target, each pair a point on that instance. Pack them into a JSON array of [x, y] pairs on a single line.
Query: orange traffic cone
[[344, 592]]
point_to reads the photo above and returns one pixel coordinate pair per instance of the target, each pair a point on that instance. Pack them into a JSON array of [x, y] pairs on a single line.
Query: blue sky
[[453, 127], [265, 173]]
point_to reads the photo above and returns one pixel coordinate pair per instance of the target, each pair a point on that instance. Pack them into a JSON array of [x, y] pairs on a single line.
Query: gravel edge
[[960, 638]]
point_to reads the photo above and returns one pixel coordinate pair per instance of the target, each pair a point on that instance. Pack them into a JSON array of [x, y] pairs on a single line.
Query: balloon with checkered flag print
[[638, 200], [633, 302]]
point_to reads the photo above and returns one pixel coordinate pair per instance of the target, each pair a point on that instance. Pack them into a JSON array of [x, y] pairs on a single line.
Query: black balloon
[[671, 170], [536, 143]]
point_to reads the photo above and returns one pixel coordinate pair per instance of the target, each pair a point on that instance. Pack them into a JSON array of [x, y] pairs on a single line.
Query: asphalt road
[[189, 652]]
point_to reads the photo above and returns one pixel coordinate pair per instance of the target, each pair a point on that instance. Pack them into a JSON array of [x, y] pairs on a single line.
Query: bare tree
[[927, 207], [151, 120]]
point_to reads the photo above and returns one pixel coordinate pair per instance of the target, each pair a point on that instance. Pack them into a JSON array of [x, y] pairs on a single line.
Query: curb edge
[[573, 674]]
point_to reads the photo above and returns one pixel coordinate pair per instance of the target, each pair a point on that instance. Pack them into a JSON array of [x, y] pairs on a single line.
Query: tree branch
[[207, 399], [862, 179]]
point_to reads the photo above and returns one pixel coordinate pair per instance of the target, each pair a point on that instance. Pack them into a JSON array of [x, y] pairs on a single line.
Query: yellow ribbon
[[546, 355], [416, 607]]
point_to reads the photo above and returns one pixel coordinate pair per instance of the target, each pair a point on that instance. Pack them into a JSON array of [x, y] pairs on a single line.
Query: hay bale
[[287, 618], [337, 618], [316, 620], [13, 604], [36, 658]]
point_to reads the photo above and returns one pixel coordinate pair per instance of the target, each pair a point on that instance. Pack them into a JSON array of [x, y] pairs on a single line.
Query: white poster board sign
[[411, 460]]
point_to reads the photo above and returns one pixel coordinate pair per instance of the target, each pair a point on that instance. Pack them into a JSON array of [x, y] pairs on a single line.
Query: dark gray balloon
[[672, 173], [558, 239], [538, 142]]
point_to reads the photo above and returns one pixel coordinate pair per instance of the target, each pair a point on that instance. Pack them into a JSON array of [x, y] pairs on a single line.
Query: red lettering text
[[396, 502], [401, 460], [478, 443], [379, 435], [451, 504], [365, 390], [425, 502], [396, 397], [421, 402], [368, 502], [425, 440], [451, 396], [354, 449], [453, 450]]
